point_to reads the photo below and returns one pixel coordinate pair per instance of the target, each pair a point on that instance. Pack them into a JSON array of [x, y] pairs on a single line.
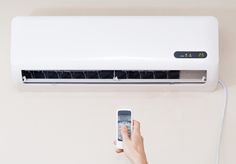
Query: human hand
[[133, 146]]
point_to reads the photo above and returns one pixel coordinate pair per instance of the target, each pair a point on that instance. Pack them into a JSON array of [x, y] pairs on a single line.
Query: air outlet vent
[[113, 76]]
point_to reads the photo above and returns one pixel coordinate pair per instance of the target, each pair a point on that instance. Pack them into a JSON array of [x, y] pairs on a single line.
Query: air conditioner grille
[[100, 74], [113, 76]]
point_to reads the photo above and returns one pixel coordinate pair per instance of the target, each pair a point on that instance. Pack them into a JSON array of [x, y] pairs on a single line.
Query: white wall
[[78, 127]]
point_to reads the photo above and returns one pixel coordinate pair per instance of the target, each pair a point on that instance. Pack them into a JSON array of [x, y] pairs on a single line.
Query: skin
[[133, 146]]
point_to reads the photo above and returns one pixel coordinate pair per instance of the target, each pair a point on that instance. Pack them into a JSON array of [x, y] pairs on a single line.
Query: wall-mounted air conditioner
[[162, 52]]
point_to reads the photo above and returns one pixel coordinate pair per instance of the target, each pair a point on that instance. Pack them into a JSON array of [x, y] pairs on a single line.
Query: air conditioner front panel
[[113, 43]]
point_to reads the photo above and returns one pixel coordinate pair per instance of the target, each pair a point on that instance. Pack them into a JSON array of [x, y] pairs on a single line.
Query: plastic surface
[[115, 42], [119, 144]]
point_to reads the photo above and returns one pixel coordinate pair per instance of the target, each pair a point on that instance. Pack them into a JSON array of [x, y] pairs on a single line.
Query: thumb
[[125, 133]]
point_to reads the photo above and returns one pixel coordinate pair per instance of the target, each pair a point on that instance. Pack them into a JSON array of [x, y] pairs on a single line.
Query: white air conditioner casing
[[161, 52]]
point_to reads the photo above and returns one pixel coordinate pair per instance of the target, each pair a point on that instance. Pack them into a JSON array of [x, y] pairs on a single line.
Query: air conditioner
[[162, 52]]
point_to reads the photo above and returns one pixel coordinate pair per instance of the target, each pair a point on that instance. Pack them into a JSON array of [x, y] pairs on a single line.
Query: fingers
[[118, 150], [125, 133], [136, 127]]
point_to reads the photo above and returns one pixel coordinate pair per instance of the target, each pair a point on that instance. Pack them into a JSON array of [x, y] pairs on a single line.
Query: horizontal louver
[[109, 76], [103, 74]]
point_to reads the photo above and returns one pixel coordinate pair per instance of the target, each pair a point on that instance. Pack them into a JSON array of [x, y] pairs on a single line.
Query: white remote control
[[123, 117]]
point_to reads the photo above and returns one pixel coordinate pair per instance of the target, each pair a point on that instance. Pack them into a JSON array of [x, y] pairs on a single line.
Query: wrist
[[141, 160]]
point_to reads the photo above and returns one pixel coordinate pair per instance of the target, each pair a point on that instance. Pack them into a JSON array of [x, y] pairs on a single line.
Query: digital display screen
[[124, 118], [190, 54]]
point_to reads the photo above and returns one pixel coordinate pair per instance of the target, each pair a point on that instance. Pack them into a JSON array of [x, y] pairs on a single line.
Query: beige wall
[[78, 127]]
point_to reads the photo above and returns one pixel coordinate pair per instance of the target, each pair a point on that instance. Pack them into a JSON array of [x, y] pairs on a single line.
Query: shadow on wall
[[224, 16]]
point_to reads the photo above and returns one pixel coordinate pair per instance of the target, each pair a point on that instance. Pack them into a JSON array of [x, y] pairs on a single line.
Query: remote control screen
[[124, 118]]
